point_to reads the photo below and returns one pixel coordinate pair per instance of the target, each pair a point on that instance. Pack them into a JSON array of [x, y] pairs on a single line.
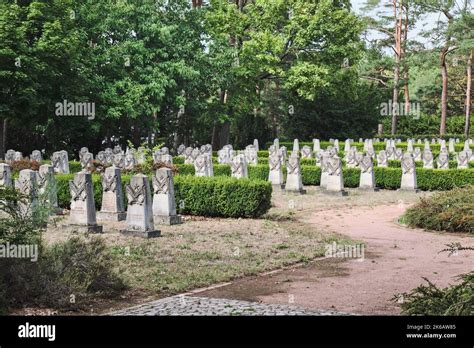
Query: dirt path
[[396, 259]]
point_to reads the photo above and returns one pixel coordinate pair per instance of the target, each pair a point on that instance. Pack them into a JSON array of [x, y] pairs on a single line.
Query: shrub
[[219, 185], [64, 276], [16, 166], [431, 300], [451, 211]]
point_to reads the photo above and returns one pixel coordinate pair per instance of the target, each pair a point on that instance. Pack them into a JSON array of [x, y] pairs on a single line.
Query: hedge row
[[386, 178], [219, 196]]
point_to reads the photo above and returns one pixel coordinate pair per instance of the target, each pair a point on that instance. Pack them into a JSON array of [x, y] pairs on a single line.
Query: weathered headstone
[[335, 181], [164, 203], [408, 182], [238, 167], [382, 159], [27, 185], [294, 182], [86, 161], [60, 162], [316, 145], [443, 160], [306, 152], [82, 216], [417, 154], [118, 160], [367, 175], [129, 161], [200, 166], [296, 145], [462, 159], [427, 158], [5, 175], [112, 208], [36, 156], [140, 221], [275, 175], [255, 145]]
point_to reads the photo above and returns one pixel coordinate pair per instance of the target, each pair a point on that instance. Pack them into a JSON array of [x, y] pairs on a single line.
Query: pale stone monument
[[296, 145], [451, 146], [462, 159], [335, 181], [294, 182], [200, 166], [112, 196], [408, 182], [255, 145], [130, 161], [428, 159], [316, 145], [382, 159], [27, 185], [318, 157], [188, 156], [443, 160], [275, 175], [181, 149], [82, 217], [86, 161], [36, 156], [164, 204], [101, 158], [238, 167], [60, 162], [18, 156], [5, 175], [367, 175], [140, 221], [251, 155], [417, 154], [210, 165], [306, 152], [223, 156], [118, 160], [10, 155]]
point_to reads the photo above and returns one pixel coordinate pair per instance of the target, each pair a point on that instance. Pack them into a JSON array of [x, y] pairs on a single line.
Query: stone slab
[[141, 234], [84, 228], [167, 220], [110, 216]]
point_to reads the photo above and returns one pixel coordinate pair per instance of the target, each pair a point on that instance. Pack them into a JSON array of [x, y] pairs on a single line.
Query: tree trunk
[[467, 126], [444, 92], [396, 69], [406, 92], [3, 137]]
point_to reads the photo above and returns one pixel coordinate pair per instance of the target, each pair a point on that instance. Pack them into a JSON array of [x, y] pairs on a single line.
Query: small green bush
[[451, 211], [431, 300]]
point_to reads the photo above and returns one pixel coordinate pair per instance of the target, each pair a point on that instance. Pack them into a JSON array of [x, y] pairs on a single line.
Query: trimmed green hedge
[[227, 197], [218, 196]]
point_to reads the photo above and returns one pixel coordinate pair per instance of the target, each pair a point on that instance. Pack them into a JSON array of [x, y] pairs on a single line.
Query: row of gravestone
[[331, 180], [143, 211]]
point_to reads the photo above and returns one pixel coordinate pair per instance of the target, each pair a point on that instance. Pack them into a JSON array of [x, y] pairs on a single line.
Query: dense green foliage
[[451, 211], [61, 276], [431, 300], [218, 196]]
